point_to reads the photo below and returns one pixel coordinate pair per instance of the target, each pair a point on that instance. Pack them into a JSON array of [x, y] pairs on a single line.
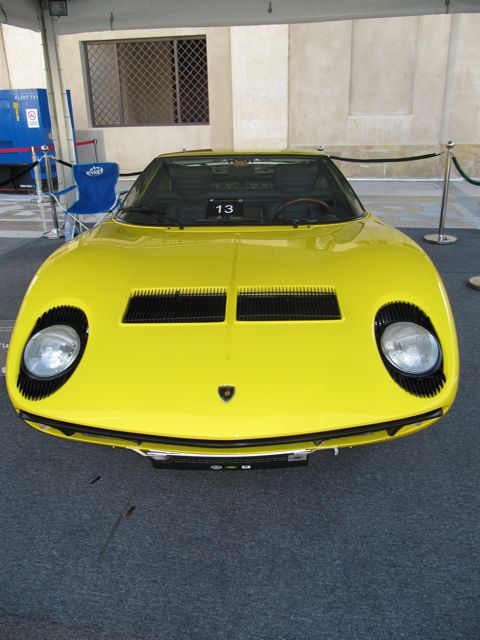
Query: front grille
[[36, 389], [306, 303], [425, 386], [176, 305], [237, 463]]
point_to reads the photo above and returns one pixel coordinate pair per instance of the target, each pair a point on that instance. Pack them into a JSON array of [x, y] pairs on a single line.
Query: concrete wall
[[260, 87], [134, 147], [384, 87], [461, 117], [24, 59], [4, 70], [368, 82]]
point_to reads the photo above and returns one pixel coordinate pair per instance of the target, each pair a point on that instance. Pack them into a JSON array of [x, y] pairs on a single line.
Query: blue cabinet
[[24, 123]]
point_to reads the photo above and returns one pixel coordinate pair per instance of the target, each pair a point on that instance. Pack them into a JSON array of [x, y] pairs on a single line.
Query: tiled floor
[[412, 203], [23, 217], [403, 203]]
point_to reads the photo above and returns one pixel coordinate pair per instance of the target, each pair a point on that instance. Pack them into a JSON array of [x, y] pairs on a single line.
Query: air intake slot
[[176, 305], [305, 303]]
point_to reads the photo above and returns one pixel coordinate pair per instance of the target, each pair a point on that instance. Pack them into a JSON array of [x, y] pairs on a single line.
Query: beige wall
[[220, 89], [462, 94], [134, 147], [393, 86], [385, 88], [260, 87], [4, 70], [24, 53], [370, 88], [368, 82]]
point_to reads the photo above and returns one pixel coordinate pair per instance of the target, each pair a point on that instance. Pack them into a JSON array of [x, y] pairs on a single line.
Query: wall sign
[[32, 118]]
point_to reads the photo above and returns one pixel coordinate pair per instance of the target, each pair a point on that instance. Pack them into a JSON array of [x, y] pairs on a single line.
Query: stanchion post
[[95, 149], [441, 237], [38, 176], [474, 282], [55, 232]]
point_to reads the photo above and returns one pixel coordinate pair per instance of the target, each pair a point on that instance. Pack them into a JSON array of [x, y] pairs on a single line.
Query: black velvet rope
[[19, 174], [422, 157], [463, 174], [122, 175], [65, 164]]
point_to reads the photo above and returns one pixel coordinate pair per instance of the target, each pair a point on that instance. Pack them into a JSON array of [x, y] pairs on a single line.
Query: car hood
[[289, 376]]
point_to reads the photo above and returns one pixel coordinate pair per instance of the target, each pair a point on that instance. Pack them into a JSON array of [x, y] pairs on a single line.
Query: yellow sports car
[[240, 310]]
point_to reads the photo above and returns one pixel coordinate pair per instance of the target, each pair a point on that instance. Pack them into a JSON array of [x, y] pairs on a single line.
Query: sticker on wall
[[32, 118], [5, 333]]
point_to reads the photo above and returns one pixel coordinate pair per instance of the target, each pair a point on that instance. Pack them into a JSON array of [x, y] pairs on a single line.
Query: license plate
[[229, 464], [224, 208]]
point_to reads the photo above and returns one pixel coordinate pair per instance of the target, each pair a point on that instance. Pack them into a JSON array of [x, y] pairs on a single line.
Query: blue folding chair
[[96, 184]]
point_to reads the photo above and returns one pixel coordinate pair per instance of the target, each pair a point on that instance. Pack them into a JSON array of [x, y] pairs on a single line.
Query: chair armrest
[[62, 192], [117, 200]]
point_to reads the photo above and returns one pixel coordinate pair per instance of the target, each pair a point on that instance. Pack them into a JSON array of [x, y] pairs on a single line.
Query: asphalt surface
[[377, 543]]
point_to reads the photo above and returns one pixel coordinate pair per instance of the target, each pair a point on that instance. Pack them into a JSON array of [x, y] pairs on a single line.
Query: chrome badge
[[226, 392]]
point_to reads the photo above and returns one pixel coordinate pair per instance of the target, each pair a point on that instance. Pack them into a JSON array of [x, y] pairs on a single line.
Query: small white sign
[[4, 340], [32, 118]]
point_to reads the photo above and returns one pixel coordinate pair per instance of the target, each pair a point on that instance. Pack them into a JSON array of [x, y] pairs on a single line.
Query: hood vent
[[176, 305], [303, 303]]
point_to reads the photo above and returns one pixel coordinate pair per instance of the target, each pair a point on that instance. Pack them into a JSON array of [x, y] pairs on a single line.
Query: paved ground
[[407, 203], [25, 216], [378, 543]]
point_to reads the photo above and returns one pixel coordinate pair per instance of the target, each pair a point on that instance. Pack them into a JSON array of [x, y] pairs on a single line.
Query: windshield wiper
[[161, 216], [233, 220], [303, 222]]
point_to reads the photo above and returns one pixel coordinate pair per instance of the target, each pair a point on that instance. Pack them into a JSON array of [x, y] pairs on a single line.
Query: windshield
[[240, 189]]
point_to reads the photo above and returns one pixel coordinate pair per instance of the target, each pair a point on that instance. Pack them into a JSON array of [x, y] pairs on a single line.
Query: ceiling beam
[[105, 15]]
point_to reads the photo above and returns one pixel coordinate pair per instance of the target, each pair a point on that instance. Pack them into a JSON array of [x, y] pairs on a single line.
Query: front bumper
[[158, 445]]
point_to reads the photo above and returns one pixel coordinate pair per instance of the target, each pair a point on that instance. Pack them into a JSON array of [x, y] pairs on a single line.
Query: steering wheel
[[285, 205]]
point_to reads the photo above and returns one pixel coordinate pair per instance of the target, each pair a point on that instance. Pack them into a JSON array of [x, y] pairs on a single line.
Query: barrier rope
[[80, 144], [23, 149], [19, 174], [425, 156], [463, 174], [362, 160], [122, 175], [65, 164], [332, 157], [50, 146]]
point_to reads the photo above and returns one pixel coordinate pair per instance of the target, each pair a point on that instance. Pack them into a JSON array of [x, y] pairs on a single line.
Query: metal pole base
[[436, 238], [474, 282], [54, 234]]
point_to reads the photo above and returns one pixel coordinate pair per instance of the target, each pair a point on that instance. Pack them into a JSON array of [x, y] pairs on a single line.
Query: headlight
[[410, 348], [51, 351]]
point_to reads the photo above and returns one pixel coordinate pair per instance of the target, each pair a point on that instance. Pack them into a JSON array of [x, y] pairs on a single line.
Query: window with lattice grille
[[148, 82]]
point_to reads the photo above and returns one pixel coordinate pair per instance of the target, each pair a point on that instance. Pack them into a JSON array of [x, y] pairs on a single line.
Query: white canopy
[[103, 15]]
